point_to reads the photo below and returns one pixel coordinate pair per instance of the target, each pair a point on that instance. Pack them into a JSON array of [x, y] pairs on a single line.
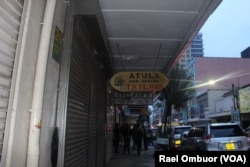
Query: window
[[226, 131], [196, 132], [181, 130]]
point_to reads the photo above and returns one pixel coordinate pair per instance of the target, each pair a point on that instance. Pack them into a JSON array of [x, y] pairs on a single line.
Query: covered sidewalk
[[146, 159]]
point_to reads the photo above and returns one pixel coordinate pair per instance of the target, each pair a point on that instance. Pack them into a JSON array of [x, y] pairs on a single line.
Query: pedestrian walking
[[138, 138], [116, 137], [126, 132], [133, 136], [145, 141]]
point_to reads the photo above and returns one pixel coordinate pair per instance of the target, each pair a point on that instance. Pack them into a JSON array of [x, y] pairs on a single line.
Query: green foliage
[[178, 90]]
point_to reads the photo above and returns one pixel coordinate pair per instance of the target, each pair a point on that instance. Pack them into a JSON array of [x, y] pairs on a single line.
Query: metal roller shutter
[[101, 122], [82, 130], [10, 18], [93, 124], [76, 139]]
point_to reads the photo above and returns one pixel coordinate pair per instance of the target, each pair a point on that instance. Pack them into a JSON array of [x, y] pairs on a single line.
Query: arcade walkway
[[146, 159]]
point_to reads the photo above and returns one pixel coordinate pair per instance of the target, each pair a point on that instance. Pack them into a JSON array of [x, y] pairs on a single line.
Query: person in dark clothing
[[145, 142], [116, 137], [138, 138], [133, 135], [121, 134], [126, 133]]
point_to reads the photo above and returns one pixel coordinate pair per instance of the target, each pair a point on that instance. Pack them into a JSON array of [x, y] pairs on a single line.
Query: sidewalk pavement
[[146, 159]]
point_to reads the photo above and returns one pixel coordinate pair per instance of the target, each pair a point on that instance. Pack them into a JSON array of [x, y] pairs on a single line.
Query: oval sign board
[[139, 81]]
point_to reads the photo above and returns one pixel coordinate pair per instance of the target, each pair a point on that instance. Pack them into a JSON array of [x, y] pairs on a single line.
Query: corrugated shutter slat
[[85, 127], [10, 18]]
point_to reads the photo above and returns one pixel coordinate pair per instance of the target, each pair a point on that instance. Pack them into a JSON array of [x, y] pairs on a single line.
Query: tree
[[178, 90]]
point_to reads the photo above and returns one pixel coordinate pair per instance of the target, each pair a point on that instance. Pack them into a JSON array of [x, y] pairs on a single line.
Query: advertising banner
[[244, 99]]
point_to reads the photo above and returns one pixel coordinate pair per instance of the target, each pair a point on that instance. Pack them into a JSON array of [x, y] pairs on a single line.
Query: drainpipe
[[38, 93]]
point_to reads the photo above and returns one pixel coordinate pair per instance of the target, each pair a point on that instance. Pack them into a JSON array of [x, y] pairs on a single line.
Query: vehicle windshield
[[181, 130], [196, 132], [226, 131]]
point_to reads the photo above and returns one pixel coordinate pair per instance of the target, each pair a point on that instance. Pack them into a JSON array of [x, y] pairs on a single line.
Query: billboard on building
[[244, 99]]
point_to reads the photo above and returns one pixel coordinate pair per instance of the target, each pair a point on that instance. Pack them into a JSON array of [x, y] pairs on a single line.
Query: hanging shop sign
[[132, 98], [57, 46], [139, 81]]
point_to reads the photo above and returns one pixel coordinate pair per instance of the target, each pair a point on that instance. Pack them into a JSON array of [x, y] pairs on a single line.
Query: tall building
[[194, 50], [186, 62], [246, 53], [196, 46]]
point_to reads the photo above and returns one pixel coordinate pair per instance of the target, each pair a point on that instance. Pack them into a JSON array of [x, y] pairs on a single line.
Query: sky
[[226, 33]]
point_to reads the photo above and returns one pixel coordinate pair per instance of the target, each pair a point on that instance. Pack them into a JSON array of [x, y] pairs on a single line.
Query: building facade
[[195, 49], [186, 62], [246, 53], [211, 104], [158, 110], [55, 106], [53, 97], [228, 73]]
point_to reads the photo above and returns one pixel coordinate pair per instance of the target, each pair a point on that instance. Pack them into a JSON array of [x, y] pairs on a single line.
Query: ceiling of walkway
[[143, 35], [150, 35]]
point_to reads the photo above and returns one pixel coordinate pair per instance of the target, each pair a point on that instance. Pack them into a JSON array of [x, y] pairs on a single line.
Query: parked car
[[151, 135], [184, 136], [216, 137], [247, 131], [173, 135], [177, 136]]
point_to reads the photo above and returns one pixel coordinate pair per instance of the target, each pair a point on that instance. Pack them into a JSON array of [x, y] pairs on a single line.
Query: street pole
[[235, 101], [235, 104], [233, 91]]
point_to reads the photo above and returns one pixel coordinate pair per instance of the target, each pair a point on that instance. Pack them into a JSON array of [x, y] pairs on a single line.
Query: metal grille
[[101, 122], [76, 145], [93, 124], [82, 116], [10, 18]]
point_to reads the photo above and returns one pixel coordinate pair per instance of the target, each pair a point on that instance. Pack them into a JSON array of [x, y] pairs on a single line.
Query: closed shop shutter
[[93, 123], [10, 18], [82, 126], [101, 122], [77, 133]]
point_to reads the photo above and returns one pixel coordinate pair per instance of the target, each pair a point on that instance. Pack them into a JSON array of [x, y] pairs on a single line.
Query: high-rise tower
[[194, 50]]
